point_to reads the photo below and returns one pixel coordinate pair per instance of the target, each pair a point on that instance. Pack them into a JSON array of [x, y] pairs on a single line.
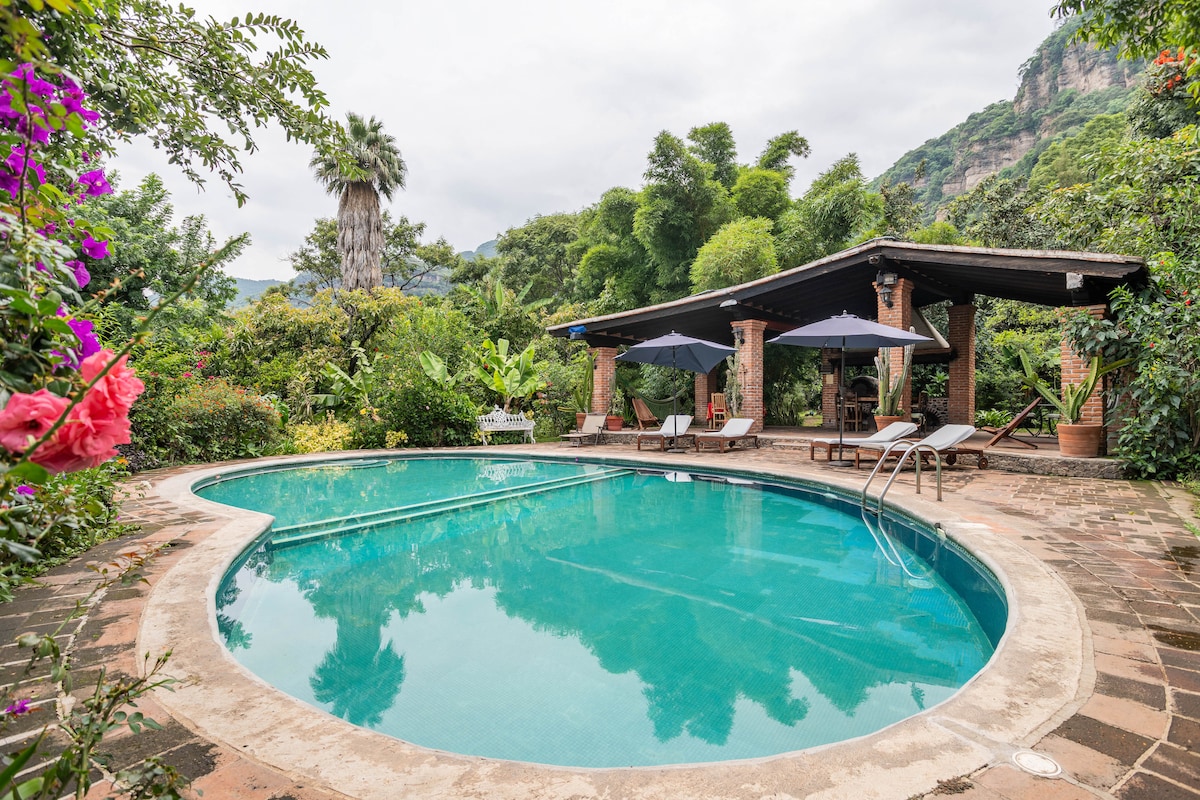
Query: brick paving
[[1124, 548]]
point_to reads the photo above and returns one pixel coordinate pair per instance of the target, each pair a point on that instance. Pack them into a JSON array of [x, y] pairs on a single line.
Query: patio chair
[[645, 416], [888, 435], [674, 428], [720, 410], [589, 432], [941, 442], [735, 430], [852, 411]]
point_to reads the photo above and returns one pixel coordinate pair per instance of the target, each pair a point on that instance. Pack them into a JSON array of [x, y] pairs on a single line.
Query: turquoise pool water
[[593, 615]]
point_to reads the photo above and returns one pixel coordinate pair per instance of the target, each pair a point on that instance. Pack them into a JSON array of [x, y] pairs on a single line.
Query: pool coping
[[1041, 673]]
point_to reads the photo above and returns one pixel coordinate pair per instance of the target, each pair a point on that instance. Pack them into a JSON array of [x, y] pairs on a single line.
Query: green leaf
[[28, 472]]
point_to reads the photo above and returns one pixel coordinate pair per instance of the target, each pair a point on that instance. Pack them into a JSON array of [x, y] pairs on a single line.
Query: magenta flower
[[82, 276], [28, 491], [95, 183], [20, 707], [94, 249]]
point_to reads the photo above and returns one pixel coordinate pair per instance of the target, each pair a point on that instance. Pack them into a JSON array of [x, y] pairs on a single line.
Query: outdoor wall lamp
[[885, 281], [739, 337]]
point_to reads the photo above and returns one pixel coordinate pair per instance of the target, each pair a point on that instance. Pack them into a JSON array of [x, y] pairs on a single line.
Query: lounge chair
[[941, 442], [888, 435], [674, 428], [645, 416], [589, 432], [720, 411], [735, 430]]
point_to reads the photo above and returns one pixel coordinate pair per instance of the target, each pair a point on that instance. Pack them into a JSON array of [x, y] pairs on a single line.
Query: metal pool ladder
[[912, 449]]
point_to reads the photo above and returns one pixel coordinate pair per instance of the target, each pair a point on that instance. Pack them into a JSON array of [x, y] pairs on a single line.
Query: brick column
[[1075, 369], [750, 368], [706, 384], [602, 377], [900, 315], [830, 378], [961, 391]]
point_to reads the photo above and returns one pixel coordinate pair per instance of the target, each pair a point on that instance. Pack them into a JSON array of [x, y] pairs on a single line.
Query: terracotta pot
[[882, 422], [580, 416], [614, 423], [1079, 440]]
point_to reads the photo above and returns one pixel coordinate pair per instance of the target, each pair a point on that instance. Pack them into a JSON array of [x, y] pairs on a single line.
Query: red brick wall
[[606, 368], [1075, 369], [830, 360], [962, 365], [900, 315], [750, 364], [706, 384]]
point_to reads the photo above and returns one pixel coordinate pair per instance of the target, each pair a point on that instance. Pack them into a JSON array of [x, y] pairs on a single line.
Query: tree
[[996, 213], [828, 217], [761, 192], [151, 257], [681, 207], [375, 168], [1063, 163], [538, 255], [402, 265], [781, 148], [741, 251], [317, 263], [713, 144], [164, 72], [614, 264]]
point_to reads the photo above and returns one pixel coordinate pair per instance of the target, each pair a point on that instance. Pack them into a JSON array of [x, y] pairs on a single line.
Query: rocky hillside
[[1062, 86]]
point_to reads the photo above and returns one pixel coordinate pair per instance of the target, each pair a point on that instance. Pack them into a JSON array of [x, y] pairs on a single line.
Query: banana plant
[[437, 371], [512, 377], [1071, 397]]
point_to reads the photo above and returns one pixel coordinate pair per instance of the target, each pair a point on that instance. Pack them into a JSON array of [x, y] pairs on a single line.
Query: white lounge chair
[[941, 443], [593, 426], [673, 428], [734, 430], [888, 435]]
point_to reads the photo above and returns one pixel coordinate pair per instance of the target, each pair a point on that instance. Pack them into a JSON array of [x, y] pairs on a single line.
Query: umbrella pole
[[841, 460], [675, 448]]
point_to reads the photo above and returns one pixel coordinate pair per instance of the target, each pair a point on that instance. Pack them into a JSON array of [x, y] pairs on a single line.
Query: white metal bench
[[497, 420]]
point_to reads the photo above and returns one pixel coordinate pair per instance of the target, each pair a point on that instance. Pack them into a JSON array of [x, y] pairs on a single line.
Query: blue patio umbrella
[[678, 352], [847, 331]]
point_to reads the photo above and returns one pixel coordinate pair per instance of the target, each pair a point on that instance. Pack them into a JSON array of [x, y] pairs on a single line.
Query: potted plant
[[1075, 439], [889, 409], [580, 402], [616, 408]]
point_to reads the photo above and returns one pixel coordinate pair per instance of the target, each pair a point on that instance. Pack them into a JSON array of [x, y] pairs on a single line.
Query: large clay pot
[[614, 422], [580, 416], [1079, 440], [882, 422]]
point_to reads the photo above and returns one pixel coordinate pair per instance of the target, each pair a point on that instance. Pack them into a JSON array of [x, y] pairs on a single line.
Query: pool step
[[289, 535]]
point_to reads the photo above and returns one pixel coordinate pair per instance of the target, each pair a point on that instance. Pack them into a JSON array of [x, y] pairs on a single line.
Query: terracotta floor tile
[[1124, 746], [1015, 784], [1128, 668], [1153, 695], [1186, 704], [1127, 715], [1174, 763], [1143, 786], [1083, 763]]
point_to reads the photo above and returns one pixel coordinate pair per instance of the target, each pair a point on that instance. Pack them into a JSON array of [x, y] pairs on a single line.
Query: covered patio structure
[[885, 280]]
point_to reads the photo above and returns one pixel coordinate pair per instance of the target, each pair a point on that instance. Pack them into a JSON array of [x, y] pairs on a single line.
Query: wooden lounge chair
[[720, 410], [891, 433], [674, 428], [1008, 430], [645, 417], [943, 441], [735, 430], [588, 433]]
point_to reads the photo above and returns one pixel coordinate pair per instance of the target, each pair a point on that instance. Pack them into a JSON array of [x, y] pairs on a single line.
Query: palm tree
[[369, 165]]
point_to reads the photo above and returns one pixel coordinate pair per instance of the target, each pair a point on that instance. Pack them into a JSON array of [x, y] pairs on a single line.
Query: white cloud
[[507, 110]]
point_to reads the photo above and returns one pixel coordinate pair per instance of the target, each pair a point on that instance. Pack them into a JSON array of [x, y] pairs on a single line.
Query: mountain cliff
[[1062, 86]]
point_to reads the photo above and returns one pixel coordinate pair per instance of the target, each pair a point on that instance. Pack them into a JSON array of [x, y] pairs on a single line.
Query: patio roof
[[844, 282]]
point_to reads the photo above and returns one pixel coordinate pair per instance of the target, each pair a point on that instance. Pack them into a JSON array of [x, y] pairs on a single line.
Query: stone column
[[750, 368], [602, 377], [899, 315], [961, 390], [1075, 369]]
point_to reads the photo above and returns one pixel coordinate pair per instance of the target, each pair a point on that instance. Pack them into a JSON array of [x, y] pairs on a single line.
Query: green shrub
[[321, 437], [429, 415]]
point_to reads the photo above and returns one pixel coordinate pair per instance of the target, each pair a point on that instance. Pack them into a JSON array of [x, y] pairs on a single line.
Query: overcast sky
[[506, 110]]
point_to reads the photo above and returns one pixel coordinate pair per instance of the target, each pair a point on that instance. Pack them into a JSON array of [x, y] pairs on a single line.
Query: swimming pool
[[595, 614]]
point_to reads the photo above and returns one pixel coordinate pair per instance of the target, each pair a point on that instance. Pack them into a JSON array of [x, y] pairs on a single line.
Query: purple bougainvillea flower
[[94, 249], [20, 707], [88, 342], [95, 183], [82, 276], [28, 491]]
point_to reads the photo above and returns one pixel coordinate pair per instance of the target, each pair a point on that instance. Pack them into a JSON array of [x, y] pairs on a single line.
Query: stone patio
[[1128, 725]]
